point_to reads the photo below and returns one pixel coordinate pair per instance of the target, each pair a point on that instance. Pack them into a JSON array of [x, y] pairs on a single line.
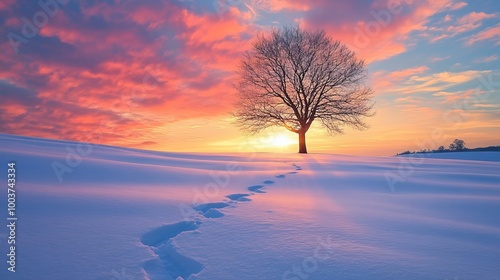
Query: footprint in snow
[[268, 182], [239, 197], [297, 167], [164, 233], [280, 176], [169, 263], [256, 189], [213, 214], [209, 210]]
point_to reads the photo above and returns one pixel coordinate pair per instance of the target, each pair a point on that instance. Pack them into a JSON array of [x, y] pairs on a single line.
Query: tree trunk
[[302, 142]]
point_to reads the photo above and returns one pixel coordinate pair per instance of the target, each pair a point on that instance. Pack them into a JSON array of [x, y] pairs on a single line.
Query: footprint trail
[[169, 262]]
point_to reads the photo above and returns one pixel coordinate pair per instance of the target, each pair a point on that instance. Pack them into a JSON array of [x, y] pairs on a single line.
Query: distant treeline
[[481, 149], [457, 146]]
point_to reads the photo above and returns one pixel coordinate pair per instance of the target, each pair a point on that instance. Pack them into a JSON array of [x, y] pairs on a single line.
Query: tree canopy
[[292, 77]]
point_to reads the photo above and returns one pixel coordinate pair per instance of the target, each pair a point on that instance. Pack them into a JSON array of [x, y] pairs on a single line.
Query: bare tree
[[457, 145], [292, 77]]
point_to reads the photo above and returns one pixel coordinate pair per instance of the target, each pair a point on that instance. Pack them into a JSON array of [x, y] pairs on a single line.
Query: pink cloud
[[487, 59], [377, 31], [124, 73], [454, 97], [280, 5], [383, 80], [466, 23], [436, 59], [402, 74], [6, 4], [123, 66], [491, 33]]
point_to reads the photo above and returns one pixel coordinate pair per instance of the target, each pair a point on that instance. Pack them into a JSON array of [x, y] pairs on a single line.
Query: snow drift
[[100, 212]]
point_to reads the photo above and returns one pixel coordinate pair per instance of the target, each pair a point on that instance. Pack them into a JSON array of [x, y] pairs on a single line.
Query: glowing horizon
[[158, 74]]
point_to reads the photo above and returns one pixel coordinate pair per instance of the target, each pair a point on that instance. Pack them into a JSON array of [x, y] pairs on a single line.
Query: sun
[[280, 140]]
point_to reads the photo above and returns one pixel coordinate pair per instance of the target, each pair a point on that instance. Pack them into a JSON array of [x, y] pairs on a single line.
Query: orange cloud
[[399, 75], [382, 80], [278, 5], [453, 97], [407, 84]]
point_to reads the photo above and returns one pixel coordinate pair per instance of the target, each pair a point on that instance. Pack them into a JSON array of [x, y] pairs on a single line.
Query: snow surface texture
[[117, 213]]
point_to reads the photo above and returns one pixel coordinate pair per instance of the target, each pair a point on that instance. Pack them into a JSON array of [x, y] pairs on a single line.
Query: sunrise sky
[[158, 74]]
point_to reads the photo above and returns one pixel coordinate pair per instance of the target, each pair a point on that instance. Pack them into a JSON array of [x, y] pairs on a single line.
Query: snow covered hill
[[99, 212], [483, 156]]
